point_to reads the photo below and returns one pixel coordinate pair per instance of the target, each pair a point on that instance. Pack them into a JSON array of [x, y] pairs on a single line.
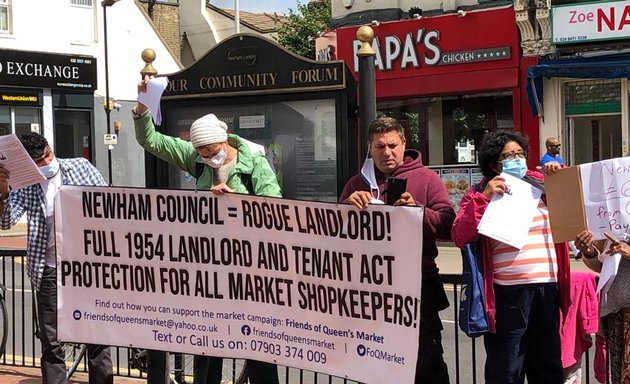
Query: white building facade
[[52, 77]]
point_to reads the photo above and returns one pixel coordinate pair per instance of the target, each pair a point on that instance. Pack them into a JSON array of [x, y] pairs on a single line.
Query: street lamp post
[[108, 103]]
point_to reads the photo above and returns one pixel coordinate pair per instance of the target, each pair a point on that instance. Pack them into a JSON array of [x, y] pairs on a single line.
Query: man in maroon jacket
[[389, 158]]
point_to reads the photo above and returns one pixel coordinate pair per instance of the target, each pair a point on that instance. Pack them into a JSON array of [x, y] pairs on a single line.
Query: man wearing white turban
[[222, 163]]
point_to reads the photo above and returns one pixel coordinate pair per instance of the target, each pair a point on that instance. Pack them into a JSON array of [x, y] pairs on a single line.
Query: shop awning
[[610, 67]]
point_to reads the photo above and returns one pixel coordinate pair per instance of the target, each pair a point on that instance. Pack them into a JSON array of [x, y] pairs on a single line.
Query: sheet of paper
[[23, 170], [610, 266], [606, 196], [509, 217], [151, 98]]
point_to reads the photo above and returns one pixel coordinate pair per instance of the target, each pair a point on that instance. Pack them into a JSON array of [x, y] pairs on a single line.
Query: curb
[[13, 234], [18, 230]]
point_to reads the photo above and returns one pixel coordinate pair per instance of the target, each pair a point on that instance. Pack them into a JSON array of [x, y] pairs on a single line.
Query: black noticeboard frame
[[248, 70]]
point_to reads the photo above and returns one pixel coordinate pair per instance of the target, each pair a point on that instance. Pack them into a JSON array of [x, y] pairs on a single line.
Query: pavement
[[27, 375], [15, 238], [449, 262]]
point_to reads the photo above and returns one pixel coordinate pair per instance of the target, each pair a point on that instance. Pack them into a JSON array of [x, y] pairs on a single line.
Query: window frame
[[7, 4]]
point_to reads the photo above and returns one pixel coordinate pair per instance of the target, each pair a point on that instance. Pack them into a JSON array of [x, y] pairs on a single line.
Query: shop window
[[592, 96], [5, 120], [5, 16], [448, 130], [27, 120], [19, 120]]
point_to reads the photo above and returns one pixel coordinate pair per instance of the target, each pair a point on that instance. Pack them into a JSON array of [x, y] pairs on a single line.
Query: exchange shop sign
[[47, 70], [317, 286]]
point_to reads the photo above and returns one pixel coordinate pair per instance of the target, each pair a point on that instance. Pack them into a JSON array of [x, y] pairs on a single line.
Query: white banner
[[578, 23], [606, 191], [318, 286]]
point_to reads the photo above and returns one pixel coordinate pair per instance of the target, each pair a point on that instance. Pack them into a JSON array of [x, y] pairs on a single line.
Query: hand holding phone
[[395, 188]]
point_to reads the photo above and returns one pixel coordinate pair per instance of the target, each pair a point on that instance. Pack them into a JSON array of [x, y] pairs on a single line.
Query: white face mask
[[367, 171], [49, 171], [217, 160]]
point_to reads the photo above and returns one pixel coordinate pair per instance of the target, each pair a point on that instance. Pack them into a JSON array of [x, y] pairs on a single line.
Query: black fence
[[464, 356]]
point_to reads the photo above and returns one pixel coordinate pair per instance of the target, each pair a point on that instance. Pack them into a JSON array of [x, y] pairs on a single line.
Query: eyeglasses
[[555, 145], [513, 155]]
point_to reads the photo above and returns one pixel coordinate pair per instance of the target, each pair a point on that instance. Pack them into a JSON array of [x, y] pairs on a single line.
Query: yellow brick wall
[[166, 20]]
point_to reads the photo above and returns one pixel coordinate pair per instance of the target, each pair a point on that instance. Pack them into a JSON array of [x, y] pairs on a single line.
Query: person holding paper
[[222, 163], [524, 288], [389, 157], [37, 201], [614, 308]]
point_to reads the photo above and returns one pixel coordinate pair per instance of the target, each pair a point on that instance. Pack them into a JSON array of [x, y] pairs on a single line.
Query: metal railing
[[464, 356]]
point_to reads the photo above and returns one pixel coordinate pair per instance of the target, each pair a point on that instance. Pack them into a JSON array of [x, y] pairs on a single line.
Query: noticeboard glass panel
[[299, 139]]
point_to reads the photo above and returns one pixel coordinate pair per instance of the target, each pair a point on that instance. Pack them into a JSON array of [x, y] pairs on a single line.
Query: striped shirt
[[32, 201], [535, 263]]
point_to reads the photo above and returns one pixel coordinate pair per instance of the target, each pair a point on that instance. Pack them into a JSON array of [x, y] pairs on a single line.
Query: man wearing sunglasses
[[553, 152]]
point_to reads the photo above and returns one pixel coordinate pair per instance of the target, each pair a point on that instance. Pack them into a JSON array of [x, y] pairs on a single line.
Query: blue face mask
[[515, 167]]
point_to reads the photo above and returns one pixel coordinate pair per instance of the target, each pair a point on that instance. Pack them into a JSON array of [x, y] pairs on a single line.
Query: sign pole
[[367, 84]]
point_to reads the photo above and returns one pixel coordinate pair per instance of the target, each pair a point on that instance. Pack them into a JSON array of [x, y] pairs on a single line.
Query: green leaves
[[303, 26]]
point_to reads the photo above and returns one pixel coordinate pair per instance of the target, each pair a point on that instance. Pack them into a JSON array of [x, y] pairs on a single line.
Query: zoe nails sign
[[590, 22]]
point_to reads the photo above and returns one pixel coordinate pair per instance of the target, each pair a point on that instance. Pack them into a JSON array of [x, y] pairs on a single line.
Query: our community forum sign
[[318, 286]]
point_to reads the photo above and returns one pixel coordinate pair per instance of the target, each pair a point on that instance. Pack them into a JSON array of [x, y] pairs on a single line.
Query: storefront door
[[593, 138], [72, 133]]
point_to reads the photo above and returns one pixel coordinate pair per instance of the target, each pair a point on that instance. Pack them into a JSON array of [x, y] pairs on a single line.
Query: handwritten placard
[[606, 191]]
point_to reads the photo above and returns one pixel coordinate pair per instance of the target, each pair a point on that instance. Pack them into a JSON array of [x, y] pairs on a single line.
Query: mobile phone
[[395, 188]]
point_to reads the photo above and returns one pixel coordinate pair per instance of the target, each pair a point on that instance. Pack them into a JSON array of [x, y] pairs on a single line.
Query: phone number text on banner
[[311, 285]]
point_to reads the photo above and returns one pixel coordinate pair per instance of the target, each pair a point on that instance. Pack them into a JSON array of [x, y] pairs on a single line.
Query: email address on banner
[[170, 324], [288, 338]]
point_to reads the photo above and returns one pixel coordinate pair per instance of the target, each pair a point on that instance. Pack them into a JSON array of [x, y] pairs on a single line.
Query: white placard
[[578, 23], [520, 201], [606, 192], [110, 139], [318, 286]]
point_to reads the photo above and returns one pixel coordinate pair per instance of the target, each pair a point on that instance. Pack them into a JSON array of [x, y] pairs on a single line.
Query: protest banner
[[593, 195], [318, 286]]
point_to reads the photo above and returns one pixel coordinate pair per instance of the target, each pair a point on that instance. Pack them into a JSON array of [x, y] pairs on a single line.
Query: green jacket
[[182, 154]]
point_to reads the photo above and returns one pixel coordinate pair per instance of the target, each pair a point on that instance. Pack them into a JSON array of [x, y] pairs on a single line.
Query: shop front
[[582, 97], [52, 94], [449, 79]]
